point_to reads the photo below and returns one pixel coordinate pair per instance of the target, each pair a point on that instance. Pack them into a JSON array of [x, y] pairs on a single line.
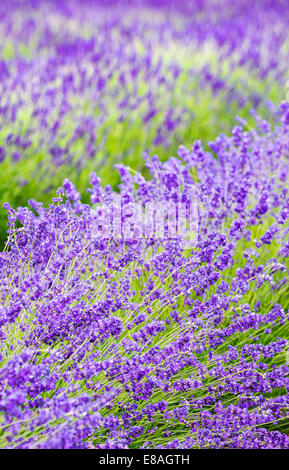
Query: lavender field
[[144, 222]]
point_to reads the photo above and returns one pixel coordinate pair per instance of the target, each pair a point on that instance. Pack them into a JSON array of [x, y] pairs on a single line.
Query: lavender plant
[[83, 86], [144, 342]]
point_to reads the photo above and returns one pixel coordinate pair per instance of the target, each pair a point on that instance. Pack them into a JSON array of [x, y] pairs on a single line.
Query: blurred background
[[87, 85]]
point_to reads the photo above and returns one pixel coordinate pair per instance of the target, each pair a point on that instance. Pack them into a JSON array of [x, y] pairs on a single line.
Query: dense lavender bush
[[146, 342]]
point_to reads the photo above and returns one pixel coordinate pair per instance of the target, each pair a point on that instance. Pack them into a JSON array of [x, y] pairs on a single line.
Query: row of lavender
[[146, 343], [84, 85]]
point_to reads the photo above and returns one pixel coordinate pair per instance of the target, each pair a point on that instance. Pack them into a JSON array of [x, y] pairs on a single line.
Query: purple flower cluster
[[112, 343]]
